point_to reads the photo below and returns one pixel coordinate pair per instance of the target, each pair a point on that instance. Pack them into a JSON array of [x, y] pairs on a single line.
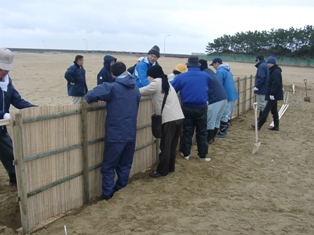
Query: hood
[[126, 80], [224, 66], [107, 60]]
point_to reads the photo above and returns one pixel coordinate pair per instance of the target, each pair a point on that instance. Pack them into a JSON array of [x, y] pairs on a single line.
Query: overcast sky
[[137, 25]]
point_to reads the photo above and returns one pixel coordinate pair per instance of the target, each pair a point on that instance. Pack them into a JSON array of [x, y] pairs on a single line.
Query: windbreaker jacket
[[140, 72], [275, 83], [261, 77], [11, 96], [122, 97], [104, 74], [216, 91], [193, 87], [75, 75], [226, 78]]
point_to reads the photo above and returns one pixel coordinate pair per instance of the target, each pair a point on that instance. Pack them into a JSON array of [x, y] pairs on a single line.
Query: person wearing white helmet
[[9, 95]]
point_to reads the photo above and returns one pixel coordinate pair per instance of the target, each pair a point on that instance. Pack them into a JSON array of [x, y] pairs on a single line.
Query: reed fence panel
[[58, 154]]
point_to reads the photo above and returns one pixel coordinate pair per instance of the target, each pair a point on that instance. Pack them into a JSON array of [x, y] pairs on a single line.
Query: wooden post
[[238, 82], [245, 90], [20, 170], [251, 84], [85, 152]]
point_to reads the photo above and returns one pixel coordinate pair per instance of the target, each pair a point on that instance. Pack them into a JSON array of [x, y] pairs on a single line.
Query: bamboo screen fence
[[58, 154]]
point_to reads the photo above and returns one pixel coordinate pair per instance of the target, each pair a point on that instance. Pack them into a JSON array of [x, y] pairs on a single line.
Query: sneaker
[[187, 157], [273, 128], [221, 134], [207, 159]]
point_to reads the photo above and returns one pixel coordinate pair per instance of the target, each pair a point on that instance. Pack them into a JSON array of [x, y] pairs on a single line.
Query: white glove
[[6, 116], [272, 97], [255, 89]]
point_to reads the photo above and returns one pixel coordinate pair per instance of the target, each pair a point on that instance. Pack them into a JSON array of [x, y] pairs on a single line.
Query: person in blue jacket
[[75, 75], [224, 74], [261, 78], [8, 95], [123, 98], [217, 101], [193, 87], [140, 71], [104, 74]]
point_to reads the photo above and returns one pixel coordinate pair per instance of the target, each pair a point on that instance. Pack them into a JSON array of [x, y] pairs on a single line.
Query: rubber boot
[[210, 136], [215, 133], [12, 181], [223, 129]]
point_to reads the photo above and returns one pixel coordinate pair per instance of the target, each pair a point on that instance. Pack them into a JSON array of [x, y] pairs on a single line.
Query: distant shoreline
[[38, 50]]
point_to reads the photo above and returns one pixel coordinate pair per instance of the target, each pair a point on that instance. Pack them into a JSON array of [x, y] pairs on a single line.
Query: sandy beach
[[271, 192]]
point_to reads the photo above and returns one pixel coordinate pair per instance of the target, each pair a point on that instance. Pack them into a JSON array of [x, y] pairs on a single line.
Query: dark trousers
[[118, 158], [195, 118], [6, 153], [272, 107], [168, 146]]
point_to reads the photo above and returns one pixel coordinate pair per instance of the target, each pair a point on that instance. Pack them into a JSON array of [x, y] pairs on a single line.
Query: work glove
[[271, 97], [6, 116]]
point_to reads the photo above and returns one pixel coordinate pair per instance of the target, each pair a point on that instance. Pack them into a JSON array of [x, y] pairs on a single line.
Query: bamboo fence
[[58, 154]]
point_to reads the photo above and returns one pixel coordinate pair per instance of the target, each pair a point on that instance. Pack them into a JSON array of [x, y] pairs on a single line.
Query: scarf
[[4, 83]]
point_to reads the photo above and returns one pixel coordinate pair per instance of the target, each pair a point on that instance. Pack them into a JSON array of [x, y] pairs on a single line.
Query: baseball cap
[[6, 59], [180, 68], [215, 60]]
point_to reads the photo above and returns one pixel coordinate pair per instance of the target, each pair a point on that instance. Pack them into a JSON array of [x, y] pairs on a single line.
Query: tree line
[[294, 42]]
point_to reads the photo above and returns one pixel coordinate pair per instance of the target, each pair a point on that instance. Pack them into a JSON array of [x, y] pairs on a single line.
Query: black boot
[[210, 136], [276, 125], [12, 181], [259, 115], [215, 133], [223, 129]]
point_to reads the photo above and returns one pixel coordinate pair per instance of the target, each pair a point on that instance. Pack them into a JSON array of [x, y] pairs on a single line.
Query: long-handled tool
[[257, 144]]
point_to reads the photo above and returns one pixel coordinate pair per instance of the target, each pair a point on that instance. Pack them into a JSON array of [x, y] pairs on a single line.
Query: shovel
[[257, 144]]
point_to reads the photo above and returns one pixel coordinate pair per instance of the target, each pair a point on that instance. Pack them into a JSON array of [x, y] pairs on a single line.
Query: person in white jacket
[[172, 116]]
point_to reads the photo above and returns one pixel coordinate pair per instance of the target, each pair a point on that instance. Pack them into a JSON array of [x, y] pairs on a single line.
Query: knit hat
[[180, 68], [155, 50], [193, 61], [271, 60], [6, 59], [203, 65], [155, 71]]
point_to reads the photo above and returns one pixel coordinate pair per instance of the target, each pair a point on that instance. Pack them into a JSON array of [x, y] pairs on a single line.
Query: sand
[[270, 192]]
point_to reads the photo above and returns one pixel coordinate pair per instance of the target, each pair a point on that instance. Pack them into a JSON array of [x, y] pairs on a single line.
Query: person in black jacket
[[9, 95], [75, 75], [104, 74], [273, 94]]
